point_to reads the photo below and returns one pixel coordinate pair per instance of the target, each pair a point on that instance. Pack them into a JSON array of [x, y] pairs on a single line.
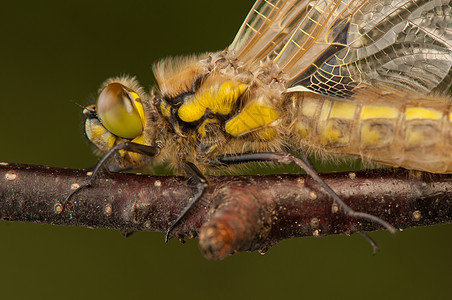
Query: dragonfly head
[[120, 110], [122, 113]]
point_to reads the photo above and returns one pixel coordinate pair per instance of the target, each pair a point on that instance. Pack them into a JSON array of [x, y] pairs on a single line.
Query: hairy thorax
[[213, 105]]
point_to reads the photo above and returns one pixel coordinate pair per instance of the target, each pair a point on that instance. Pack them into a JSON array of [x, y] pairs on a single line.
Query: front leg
[[127, 146]]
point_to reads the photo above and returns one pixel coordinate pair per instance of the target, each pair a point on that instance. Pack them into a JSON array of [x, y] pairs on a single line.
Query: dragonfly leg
[[199, 183], [371, 241], [306, 160], [286, 158], [127, 146]]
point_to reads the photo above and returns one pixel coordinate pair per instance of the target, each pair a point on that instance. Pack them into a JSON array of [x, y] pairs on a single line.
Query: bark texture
[[238, 213]]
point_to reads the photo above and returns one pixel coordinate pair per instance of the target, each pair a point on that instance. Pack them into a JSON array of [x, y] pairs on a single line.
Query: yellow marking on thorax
[[378, 112], [415, 113], [165, 109], [267, 133], [211, 148], [220, 101], [202, 127], [253, 116]]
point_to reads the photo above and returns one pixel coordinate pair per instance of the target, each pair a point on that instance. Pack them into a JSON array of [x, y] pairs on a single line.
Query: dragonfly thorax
[[215, 105], [204, 106]]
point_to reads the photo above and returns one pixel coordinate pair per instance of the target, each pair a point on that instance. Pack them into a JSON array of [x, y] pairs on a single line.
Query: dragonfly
[[365, 79]]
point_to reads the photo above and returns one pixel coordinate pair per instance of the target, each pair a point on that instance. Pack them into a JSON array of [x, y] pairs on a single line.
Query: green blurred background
[[55, 54]]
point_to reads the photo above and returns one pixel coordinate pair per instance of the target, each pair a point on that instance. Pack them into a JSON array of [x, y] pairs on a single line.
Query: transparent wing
[[267, 27], [391, 44], [402, 44], [332, 46]]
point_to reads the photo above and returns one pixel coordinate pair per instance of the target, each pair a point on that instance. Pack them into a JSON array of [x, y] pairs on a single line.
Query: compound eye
[[120, 111]]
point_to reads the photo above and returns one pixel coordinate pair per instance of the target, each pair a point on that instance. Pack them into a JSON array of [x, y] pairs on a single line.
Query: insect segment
[[360, 78], [411, 131]]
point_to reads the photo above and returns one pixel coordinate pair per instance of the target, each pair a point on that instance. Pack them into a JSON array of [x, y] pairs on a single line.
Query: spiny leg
[[286, 158], [200, 184], [127, 146], [371, 241], [307, 161], [194, 174], [302, 155]]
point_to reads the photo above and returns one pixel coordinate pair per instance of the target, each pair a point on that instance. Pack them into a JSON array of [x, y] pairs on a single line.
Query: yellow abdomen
[[396, 129]]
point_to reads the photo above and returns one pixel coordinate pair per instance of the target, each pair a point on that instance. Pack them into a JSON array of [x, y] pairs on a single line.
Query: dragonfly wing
[[331, 47], [268, 26], [445, 86], [389, 44]]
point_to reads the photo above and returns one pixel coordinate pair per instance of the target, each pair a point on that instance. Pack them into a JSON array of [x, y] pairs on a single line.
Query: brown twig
[[238, 213]]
